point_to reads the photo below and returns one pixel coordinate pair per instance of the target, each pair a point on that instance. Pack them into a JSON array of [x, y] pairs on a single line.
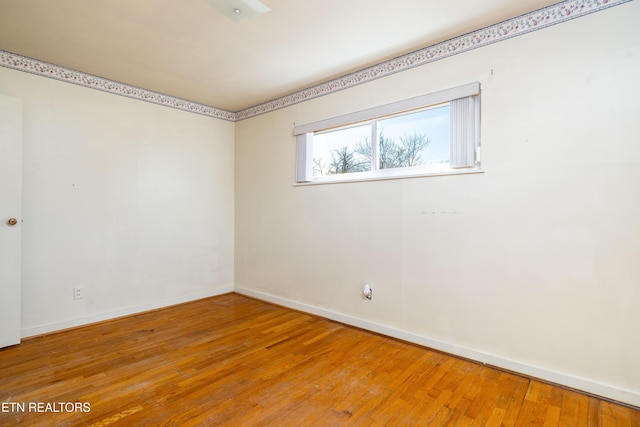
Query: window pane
[[343, 150], [419, 139]]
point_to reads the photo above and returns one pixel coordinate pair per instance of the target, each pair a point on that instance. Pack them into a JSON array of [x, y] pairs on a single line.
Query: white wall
[[533, 265], [129, 200]]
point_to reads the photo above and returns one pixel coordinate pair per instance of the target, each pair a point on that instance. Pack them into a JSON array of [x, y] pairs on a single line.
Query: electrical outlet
[[368, 291], [78, 293]]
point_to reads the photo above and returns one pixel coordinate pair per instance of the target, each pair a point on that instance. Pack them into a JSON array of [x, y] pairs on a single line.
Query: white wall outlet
[[368, 291], [78, 293]]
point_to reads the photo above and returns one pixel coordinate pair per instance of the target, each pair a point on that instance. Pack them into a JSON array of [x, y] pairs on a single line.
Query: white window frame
[[464, 104]]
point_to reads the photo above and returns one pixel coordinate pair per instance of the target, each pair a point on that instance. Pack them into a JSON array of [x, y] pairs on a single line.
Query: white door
[[10, 218]]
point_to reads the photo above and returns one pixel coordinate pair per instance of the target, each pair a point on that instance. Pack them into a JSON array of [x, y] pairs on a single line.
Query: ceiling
[[189, 50]]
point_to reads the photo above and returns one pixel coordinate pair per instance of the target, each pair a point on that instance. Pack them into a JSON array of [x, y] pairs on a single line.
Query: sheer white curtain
[[464, 120]]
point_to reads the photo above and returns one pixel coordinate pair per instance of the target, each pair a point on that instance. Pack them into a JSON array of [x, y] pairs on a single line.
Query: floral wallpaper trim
[[537, 20], [40, 68], [524, 24]]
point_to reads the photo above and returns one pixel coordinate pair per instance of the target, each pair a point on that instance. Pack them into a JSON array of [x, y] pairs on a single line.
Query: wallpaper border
[[524, 24], [45, 69]]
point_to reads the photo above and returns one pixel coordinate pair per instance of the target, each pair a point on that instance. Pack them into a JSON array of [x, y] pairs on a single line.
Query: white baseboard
[[630, 397], [52, 327]]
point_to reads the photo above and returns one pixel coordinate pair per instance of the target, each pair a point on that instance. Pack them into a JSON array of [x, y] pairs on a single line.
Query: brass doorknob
[[12, 221]]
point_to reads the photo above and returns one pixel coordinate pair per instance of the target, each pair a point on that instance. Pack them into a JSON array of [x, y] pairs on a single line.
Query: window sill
[[386, 175]]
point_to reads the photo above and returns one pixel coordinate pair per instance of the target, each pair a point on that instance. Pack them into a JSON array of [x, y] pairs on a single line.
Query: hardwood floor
[[232, 360]]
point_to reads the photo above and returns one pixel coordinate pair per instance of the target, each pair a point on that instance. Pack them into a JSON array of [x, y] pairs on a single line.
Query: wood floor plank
[[553, 416], [232, 360], [515, 401]]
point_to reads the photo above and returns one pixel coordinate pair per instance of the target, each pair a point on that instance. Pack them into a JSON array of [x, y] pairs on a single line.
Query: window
[[428, 135]]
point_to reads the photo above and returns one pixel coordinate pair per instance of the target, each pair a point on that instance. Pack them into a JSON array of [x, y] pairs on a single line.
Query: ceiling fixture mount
[[239, 10]]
